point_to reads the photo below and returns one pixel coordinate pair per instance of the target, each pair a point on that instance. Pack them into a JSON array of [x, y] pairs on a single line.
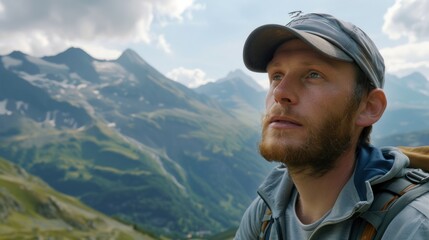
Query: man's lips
[[283, 122]]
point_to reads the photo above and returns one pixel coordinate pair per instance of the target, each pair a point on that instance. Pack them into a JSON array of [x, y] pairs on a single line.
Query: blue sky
[[195, 41]]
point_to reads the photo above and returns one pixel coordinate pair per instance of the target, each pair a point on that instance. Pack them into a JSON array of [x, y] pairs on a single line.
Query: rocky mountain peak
[[239, 75], [73, 53], [17, 54], [131, 57]]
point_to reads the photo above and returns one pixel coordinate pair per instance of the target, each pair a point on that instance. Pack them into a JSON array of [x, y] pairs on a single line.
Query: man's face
[[310, 111]]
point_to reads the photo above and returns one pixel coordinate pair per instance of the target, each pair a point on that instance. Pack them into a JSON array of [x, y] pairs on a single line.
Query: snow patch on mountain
[[21, 106], [46, 66], [9, 62], [109, 70], [3, 110]]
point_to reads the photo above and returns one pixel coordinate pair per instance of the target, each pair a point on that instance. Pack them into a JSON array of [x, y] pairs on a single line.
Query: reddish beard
[[320, 150]]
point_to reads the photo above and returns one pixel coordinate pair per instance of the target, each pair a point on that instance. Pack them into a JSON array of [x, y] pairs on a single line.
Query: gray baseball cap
[[327, 34]]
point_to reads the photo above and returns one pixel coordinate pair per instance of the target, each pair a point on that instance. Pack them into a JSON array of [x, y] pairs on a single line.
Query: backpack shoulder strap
[[421, 181], [390, 198]]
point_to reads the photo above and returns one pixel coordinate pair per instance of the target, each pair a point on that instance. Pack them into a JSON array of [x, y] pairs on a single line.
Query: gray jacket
[[373, 166]]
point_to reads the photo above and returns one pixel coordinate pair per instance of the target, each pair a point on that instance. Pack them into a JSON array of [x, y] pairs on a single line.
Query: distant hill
[[30, 209], [240, 94], [419, 138], [408, 106], [128, 141]]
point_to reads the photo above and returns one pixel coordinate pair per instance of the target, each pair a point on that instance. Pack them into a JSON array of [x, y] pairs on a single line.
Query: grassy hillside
[[226, 235], [99, 168], [30, 209]]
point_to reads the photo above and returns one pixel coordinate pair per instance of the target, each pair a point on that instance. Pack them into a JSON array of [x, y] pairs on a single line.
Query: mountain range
[[127, 141], [407, 110]]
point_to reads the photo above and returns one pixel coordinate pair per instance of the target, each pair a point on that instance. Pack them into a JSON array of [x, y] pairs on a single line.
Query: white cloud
[[189, 77], [163, 44], [407, 18], [48, 26], [177, 9], [407, 58], [410, 52]]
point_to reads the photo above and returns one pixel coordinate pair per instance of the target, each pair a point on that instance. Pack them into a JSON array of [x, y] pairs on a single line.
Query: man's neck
[[317, 195]]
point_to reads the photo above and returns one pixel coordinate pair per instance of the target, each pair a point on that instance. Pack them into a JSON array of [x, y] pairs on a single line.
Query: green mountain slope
[[30, 209], [108, 174]]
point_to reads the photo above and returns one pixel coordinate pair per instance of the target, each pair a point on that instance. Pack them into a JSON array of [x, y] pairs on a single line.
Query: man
[[326, 78]]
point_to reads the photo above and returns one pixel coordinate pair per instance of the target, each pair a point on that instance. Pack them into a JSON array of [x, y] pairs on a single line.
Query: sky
[[198, 41]]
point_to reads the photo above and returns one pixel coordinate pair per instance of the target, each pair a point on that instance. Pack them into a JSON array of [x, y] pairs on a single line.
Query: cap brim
[[263, 41]]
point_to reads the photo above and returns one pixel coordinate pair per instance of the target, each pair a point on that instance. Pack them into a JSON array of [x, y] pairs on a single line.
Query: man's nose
[[285, 92]]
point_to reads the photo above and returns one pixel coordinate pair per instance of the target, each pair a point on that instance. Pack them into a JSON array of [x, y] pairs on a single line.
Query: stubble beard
[[320, 151]]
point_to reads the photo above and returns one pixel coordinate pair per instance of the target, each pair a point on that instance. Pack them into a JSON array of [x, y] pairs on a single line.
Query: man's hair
[[362, 88]]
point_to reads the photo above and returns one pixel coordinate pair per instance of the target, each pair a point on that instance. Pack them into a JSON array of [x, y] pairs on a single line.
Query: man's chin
[[277, 143], [274, 152]]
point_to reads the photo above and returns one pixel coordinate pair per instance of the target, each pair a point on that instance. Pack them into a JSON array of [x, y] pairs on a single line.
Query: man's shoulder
[[412, 222], [397, 201], [399, 193], [417, 208], [421, 206]]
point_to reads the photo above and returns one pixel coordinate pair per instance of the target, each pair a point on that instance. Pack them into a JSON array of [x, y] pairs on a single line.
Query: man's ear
[[372, 108]]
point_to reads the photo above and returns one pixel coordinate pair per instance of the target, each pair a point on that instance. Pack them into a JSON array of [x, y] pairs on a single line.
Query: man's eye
[[276, 77], [314, 75]]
